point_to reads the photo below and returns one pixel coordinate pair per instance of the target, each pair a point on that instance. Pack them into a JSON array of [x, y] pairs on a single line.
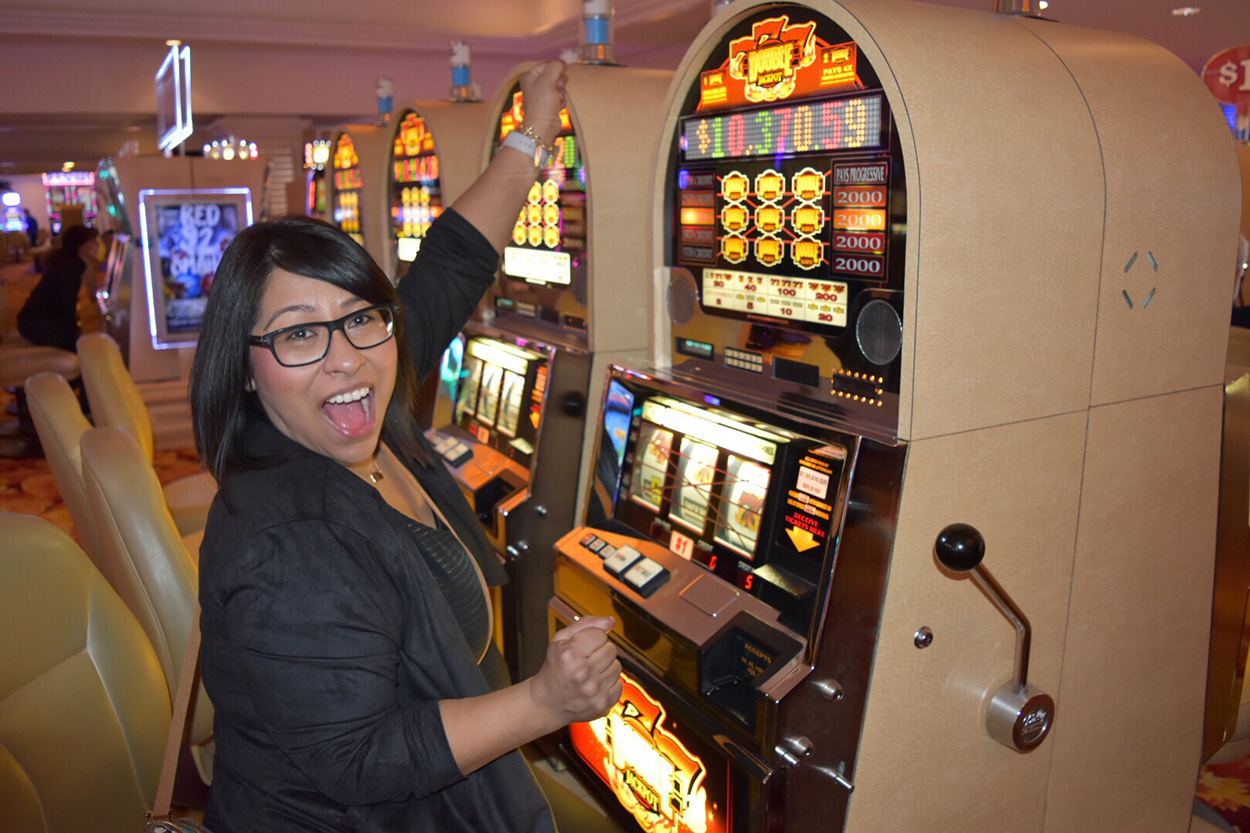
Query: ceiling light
[[1043, 5], [1185, 11]]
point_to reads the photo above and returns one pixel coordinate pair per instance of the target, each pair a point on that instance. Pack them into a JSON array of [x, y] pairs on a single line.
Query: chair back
[[60, 424], [144, 554], [111, 390], [84, 709]]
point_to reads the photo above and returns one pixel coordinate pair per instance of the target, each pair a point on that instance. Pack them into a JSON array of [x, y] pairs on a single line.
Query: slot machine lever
[[1020, 715]]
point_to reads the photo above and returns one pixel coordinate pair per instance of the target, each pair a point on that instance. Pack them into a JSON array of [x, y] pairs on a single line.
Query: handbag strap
[[178, 722]]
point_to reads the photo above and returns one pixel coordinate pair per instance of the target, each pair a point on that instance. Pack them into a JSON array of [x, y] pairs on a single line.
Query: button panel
[[646, 576], [639, 572]]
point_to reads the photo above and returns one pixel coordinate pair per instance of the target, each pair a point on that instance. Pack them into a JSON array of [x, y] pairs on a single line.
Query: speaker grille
[[681, 297], [879, 332]]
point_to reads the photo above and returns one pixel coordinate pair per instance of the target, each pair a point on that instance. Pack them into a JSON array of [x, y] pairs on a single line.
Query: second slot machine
[[511, 416]]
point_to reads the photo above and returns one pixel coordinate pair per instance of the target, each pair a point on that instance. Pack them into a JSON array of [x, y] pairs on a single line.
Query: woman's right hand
[[542, 91], [581, 676]]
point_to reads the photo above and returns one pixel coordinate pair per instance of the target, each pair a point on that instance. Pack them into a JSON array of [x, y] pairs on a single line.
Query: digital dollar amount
[[840, 124]]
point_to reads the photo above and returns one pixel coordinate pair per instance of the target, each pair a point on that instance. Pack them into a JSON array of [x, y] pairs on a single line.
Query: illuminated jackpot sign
[[664, 785], [779, 60], [549, 234], [823, 126]]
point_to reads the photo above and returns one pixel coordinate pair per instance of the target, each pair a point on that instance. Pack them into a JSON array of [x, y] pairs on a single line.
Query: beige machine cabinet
[[1072, 204], [447, 136]]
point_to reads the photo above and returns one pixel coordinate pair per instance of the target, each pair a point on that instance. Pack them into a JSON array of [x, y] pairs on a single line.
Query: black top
[[326, 642], [456, 580], [55, 297]]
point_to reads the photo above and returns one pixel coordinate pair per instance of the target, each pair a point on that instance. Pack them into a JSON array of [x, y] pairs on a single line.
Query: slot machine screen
[[548, 245], [498, 394], [185, 233], [751, 501], [788, 201], [114, 268], [416, 195], [348, 183]]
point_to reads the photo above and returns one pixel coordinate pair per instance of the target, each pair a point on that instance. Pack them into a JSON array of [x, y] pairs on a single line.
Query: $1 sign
[[1227, 76]]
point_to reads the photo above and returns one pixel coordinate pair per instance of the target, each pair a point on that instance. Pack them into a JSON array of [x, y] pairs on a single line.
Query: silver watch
[[529, 146]]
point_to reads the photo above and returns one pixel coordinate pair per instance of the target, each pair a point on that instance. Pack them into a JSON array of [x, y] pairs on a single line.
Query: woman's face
[[297, 399]]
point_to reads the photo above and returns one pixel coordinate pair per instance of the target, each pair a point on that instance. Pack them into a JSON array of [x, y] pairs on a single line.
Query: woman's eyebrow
[[292, 308]]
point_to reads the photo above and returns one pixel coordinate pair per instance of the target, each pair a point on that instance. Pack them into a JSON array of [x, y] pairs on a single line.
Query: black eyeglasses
[[303, 344]]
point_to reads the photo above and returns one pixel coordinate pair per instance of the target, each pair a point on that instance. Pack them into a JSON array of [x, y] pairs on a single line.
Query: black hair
[[221, 405], [72, 240]]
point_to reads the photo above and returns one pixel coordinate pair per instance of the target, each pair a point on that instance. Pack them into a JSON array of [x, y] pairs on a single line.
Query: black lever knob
[[960, 547]]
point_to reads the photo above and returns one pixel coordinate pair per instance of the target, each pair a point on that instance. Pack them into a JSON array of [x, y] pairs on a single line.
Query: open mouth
[[352, 413]]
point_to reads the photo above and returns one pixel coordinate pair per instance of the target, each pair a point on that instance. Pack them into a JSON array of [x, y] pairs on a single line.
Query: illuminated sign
[[778, 60], [538, 267], [173, 97], [347, 182], [655, 776], [840, 124], [768, 60]]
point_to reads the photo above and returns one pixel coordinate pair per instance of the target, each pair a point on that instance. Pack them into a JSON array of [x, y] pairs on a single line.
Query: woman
[[343, 620], [49, 318]]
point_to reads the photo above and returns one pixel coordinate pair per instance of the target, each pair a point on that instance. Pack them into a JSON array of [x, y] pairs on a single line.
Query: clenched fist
[[581, 677], [542, 90]]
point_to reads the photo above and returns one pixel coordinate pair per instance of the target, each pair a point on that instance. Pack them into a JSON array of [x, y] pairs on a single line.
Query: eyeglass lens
[[308, 343]]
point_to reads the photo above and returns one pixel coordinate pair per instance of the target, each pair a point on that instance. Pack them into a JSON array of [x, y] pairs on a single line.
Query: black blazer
[[326, 644]]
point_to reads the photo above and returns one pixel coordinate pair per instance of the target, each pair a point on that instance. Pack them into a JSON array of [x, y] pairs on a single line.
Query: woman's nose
[[342, 356]]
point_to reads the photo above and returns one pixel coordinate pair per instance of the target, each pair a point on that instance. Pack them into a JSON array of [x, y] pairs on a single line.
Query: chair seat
[[18, 363], [188, 500]]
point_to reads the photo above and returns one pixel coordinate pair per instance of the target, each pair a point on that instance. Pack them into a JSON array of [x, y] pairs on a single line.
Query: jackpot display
[[551, 229], [348, 187], [416, 196], [548, 245], [788, 213]]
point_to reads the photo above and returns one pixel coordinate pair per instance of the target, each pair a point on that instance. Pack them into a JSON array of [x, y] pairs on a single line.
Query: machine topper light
[[653, 774], [768, 60], [776, 62]]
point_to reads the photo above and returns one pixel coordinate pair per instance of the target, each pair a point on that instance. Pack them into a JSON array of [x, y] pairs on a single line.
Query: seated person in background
[[49, 318], [343, 576]]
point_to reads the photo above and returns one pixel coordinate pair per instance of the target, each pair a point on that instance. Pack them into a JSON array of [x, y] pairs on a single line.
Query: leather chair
[[84, 710], [60, 423], [115, 400], [144, 558], [18, 360]]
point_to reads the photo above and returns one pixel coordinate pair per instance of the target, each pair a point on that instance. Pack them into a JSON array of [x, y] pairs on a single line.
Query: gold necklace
[[375, 476]]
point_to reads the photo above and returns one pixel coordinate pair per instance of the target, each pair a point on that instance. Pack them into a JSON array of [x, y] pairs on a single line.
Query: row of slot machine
[[385, 184], [865, 421]]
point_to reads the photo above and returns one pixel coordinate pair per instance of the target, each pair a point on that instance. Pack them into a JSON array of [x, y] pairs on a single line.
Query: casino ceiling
[[79, 72]]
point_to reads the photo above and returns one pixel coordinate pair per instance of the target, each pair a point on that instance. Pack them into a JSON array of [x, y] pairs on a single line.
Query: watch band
[[529, 146]]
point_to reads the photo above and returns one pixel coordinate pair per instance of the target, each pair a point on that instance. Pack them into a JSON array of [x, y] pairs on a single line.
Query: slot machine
[[358, 159], [510, 419], [435, 156], [908, 524]]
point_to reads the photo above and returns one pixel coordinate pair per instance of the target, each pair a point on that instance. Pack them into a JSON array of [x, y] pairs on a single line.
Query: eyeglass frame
[[335, 326]]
